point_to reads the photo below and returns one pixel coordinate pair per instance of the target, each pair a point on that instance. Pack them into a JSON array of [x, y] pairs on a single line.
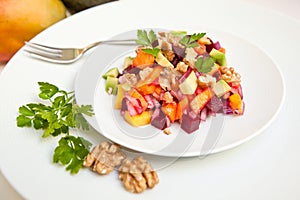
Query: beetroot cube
[[190, 124]]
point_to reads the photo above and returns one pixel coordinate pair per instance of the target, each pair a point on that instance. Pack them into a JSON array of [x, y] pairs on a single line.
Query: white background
[[286, 7]]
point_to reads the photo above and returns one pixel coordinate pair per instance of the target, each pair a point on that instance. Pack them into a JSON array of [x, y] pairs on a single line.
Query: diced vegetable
[[170, 109], [135, 94], [138, 120], [236, 103], [189, 85], [142, 58], [119, 98], [201, 100], [221, 88], [111, 85], [177, 78], [151, 77], [113, 72]]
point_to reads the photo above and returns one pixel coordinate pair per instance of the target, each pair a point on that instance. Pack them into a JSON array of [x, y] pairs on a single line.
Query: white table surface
[[286, 7]]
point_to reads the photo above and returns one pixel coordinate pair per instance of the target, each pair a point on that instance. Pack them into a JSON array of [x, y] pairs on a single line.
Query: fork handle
[[113, 42]]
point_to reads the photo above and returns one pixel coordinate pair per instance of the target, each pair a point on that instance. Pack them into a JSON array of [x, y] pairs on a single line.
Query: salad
[[175, 77]]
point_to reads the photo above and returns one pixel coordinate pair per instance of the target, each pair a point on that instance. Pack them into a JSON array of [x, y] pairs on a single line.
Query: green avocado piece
[[218, 56], [221, 88], [111, 85], [113, 72]]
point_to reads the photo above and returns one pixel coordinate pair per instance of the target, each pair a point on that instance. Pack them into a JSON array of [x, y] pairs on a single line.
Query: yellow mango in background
[[21, 20]]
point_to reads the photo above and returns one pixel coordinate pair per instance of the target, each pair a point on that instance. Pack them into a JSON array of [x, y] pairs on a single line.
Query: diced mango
[[236, 102], [170, 110], [200, 100], [138, 120], [142, 58], [119, 98]]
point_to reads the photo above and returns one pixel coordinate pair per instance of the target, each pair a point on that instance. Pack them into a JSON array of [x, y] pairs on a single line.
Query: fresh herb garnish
[[55, 118], [71, 152], [204, 65], [146, 39], [153, 51], [190, 41]]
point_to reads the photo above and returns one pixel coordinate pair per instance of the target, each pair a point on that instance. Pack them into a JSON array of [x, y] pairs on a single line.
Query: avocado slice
[[218, 56], [189, 85], [113, 72], [111, 85], [221, 88]]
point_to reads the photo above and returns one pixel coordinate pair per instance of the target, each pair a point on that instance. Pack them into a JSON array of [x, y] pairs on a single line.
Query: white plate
[[25, 158], [259, 75]]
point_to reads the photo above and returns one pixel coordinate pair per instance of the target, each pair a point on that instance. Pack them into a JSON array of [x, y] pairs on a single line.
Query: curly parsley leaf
[[190, 41], [71, 151], [204, 65], [57, 117], [146, 39]]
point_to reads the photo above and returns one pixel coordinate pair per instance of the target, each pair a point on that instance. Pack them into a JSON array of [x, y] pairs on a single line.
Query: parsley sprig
[[147, 40], [71, 152], [57, 117], [190, 41], [204, 65]]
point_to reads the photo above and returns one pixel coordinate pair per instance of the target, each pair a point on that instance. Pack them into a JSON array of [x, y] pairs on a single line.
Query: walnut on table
[[104, 158], [137, 175]]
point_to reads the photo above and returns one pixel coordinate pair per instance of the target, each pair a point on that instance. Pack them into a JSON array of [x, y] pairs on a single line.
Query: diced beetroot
[[132, 70], [132, 111], [227, 110], [203, 114], [179, 51], [156, 103], [149, 100], [217, 75], [190, 124], [215, 104], [124, 105], [213, 45], [160, 120]]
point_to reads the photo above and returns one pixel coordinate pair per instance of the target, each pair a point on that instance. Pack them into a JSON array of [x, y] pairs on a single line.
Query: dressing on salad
[[175, 77]]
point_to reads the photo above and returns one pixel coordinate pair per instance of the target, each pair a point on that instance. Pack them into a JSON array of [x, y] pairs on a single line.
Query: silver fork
[[67, 55]]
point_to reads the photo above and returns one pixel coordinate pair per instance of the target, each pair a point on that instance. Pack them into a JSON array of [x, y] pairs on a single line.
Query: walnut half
[[137, 175], [104, 158]]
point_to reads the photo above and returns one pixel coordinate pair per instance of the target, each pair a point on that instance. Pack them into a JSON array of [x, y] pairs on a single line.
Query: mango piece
[[138, 120], [22, 20], [200, 100], [236, 103], [119, 98]]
